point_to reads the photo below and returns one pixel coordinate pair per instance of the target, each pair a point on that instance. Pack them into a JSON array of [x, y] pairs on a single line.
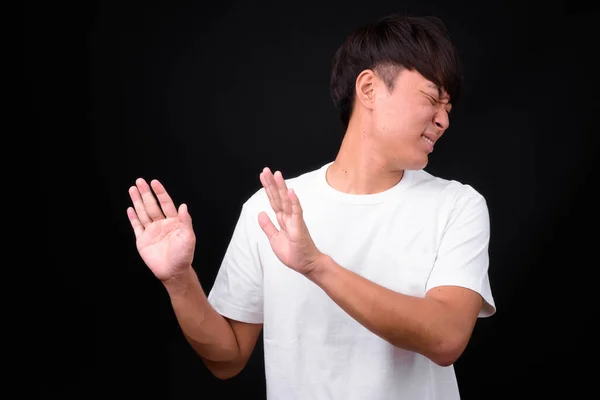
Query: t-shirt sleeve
[[237, 292], [463, 258]]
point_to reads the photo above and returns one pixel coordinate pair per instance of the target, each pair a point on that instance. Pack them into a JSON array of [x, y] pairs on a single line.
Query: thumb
[[184, 216], [267, 226]]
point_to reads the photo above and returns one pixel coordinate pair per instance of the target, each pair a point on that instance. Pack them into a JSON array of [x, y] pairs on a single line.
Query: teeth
[[427, 139]]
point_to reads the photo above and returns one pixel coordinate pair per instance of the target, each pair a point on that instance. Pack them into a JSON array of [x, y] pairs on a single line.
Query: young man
[[368, 274]]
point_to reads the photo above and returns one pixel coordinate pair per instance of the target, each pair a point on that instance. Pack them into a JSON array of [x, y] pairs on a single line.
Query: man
[[367, 274]]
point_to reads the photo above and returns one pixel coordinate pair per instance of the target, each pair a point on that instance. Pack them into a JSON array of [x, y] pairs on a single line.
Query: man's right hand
[[164, 235], [166, 242]]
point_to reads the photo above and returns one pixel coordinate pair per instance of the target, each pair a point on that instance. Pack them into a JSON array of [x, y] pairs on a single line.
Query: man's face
[[408, 121]]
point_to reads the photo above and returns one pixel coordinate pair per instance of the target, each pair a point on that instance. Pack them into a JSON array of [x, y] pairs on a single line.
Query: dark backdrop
[[202, 96]]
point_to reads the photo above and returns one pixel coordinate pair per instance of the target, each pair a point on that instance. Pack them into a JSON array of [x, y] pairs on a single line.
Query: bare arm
[[437, 326], [224, 345], [165, 240]]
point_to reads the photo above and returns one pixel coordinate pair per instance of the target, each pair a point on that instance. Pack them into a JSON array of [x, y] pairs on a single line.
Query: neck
[[361, 166]]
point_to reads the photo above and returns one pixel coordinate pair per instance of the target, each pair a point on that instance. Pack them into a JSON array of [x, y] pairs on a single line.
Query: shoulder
[[450, 191], [448, 199]]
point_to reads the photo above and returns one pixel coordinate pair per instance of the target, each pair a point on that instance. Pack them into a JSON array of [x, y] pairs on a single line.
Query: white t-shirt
[[423, 232]]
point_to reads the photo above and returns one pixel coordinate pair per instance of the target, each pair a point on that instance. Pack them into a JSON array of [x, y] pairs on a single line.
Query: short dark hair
[[411, 42]]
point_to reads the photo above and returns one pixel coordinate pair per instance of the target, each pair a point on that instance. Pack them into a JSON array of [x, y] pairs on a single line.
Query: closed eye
[[432, 99], [435, 101]]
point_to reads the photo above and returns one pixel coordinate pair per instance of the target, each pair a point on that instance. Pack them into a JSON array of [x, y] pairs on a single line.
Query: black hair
[[386, 46]]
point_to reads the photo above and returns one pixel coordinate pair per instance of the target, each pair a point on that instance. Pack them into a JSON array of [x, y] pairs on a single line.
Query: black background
[[202, 96]]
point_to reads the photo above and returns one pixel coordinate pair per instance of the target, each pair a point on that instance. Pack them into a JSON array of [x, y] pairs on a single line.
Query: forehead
[[413, 79]]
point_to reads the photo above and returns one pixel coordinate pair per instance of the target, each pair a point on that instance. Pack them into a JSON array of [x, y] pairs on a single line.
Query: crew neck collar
[[375, 198]]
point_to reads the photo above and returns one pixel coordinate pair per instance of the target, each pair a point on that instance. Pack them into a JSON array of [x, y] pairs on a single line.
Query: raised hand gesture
[[292, 243], [164, 235]]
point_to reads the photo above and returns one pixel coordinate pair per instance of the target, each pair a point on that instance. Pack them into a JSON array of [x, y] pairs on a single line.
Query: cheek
[[422, 115], [406, 121], [390, 116]]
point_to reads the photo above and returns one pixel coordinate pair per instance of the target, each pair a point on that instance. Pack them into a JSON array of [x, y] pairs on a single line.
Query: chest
[[392, 247]]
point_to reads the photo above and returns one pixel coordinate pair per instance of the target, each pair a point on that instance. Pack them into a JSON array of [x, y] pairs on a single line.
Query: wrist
[[320, 267], [179, 284]]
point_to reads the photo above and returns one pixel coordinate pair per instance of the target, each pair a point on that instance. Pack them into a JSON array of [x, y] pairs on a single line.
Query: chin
[[420, 166], [417, 164], [415, 161]]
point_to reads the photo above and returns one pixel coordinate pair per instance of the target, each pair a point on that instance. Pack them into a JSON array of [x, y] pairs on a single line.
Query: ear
[[365, 88]]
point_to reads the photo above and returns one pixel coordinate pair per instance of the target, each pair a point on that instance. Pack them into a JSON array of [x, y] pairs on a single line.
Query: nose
[[441, 120]]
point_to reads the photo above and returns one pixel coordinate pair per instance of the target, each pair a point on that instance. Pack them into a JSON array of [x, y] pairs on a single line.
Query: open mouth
[[427, 139]]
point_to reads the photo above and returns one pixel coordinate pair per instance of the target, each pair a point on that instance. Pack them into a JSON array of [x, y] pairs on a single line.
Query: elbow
[[223, 374], [447, 351], [442, 351], [223, 370], [444, 359]]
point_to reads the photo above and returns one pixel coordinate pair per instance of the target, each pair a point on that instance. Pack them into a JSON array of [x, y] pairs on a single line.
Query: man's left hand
[[292, 243]]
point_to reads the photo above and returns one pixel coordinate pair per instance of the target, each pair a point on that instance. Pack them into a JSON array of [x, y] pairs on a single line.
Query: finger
[[138, 228], [150, 203], [271, 188], [281, 221], [184, 216], [166, 203], [263, 181], [297, 217], [267, 226], [295, 203], [138, 204], [283, 193]]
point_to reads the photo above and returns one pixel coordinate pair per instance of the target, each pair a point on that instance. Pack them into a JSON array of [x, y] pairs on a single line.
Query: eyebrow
[[438, 88]]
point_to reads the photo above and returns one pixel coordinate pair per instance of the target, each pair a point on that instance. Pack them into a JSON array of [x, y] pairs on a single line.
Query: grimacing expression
[[409, 119]]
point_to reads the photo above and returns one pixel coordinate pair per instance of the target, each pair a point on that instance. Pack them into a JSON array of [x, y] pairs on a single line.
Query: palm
[[287, 243], [165, 247], [164, 236]]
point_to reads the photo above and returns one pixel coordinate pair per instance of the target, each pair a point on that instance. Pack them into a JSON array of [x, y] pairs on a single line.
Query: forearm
[[207, 331], [416, 324]]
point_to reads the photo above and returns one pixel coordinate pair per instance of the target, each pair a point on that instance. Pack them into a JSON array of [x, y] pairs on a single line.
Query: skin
[[384, 133], [166, 241], [384, 137]]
